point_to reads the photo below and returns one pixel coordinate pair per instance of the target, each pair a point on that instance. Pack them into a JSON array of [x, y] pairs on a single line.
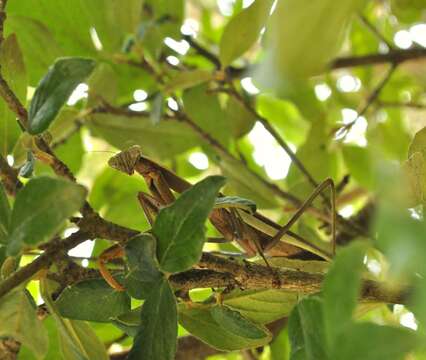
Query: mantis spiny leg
[[326, 183]]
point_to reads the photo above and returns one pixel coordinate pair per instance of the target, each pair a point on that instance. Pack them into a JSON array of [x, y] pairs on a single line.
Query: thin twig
[[397, 104], [274, 134], [3, 4], [207, 54], [393, 57], [42, 262], [375, 31], [369, 101]]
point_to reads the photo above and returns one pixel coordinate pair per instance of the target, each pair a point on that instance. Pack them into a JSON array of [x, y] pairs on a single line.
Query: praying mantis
[[253, 232]]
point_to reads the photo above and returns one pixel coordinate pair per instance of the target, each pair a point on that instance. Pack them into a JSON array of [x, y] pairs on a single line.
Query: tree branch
[[393, 56], [9, 177], [42, 262], [254, 276]]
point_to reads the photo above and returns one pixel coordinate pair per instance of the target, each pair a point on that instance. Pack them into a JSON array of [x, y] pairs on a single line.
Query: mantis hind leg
[[112, 252], [306, 204]]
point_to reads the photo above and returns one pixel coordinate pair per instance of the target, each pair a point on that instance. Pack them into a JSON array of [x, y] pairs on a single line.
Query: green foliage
[[4, 215], [144, 270], [243, 30], [156, 337], [40, 210], [19, 321], [13, 71], [261, 306], [345, 273], [96, 300], [54, 90], [76, 338], [179, 228], [306, 331], [202, 322]]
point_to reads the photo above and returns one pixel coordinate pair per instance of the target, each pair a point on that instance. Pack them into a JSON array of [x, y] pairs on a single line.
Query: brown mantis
[[253, 232]]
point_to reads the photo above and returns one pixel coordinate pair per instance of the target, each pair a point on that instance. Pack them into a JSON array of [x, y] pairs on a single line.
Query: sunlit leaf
[[204, 109], [188, 79], [243, 30], [162, 140], [261, 306], [359, 163]]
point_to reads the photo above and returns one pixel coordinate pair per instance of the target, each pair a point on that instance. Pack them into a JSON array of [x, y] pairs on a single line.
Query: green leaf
[[303, 36], [235, 202], [162, 140], [235, 323], [240, 118], [284, 116], [157, 334], [243, 30], [317, 157], [179, 228], [114, 193], [143, 266], [419, 143], [4, 214], [306, 331], [200, 323], [54, 90], [374, 342], [280, 346], [13, 71], [248, 184], [129, 322], [187, 79], [204, 109], [19, 320], [261, 306], [399, 235], [360, 164], [40, 209], [345, 273], [92, 300], [38, 45], [414, 173], [77, 339]]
